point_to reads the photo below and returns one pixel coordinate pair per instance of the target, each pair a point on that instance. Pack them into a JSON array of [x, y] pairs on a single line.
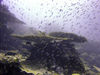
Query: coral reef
[[53, 51]]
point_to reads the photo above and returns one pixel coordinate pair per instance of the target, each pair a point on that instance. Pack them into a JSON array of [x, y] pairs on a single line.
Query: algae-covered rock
[[73, 37], [12, 68], [10, 62], [12, 56]]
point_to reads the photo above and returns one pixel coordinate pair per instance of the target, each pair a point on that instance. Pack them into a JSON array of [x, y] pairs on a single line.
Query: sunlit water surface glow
[[78, 16]]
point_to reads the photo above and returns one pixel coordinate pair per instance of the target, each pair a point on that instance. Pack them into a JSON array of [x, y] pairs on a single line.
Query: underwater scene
[[49, 37]]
